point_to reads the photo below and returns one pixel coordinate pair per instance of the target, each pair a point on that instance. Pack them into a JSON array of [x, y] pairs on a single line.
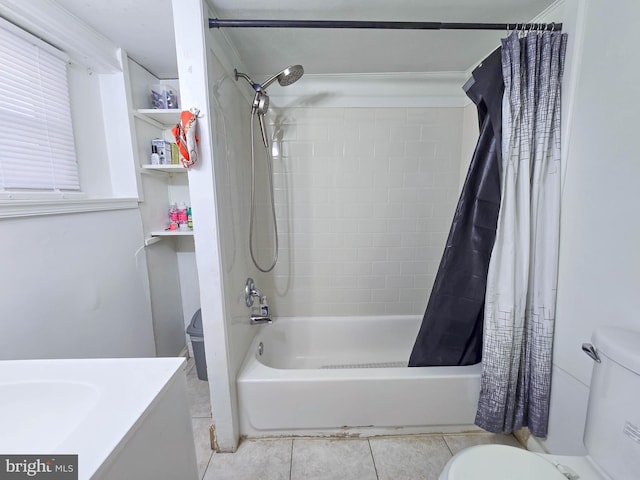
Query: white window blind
[[37, 150]]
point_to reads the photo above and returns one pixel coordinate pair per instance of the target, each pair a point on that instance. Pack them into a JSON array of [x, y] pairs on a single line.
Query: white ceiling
[[144, 29]]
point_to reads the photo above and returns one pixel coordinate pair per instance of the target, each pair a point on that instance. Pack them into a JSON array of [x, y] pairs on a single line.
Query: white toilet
[[612, 428]]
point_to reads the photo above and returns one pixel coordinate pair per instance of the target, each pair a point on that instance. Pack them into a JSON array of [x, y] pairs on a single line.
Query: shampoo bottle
[[173, 213], [182, 216], [264, 308], [155, 158]]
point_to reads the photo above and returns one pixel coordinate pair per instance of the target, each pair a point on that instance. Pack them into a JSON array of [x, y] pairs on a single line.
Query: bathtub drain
[[260, 348]]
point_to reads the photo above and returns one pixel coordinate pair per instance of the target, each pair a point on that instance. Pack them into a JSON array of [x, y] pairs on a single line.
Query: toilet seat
[[499, 462]]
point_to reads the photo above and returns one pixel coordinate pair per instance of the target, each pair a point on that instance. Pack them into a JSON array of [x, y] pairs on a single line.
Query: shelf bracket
[[151, 241]]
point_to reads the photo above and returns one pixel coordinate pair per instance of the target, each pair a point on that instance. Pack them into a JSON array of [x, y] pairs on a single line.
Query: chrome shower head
[[286, 77]]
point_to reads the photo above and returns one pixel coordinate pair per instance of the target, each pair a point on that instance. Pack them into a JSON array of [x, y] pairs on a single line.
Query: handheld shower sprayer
[[259, 108], [260, 104], [286, 77]]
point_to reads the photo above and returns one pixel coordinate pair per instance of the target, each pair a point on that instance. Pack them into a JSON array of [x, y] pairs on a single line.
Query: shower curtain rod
[[228, 23]]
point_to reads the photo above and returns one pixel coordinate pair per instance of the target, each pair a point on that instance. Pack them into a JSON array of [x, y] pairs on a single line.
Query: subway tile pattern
[[364, 201]]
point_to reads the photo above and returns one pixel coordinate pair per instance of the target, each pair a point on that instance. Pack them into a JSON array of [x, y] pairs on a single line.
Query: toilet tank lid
[[622, 345]]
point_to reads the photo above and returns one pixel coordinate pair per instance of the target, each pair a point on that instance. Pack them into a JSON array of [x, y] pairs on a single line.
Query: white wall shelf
[[164, 168], [172, 233], [165, 117], [164, 185]]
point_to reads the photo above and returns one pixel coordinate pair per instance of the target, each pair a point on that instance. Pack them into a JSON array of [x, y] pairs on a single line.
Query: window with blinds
[[37, 150]]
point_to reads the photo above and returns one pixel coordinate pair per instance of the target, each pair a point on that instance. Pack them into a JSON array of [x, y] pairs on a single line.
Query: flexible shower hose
[[273, 207]]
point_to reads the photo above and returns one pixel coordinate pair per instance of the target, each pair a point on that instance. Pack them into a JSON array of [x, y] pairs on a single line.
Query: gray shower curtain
[[451, 330], [522, 277]]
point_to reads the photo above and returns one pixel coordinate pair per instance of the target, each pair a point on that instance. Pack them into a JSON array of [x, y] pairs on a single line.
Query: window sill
[[30, 208]]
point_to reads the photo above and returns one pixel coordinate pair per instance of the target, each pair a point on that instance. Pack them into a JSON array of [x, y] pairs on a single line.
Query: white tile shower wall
[[231, 157], [364, 201]]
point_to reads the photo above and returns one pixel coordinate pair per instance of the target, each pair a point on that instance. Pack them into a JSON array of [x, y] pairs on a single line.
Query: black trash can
[[196, 333]]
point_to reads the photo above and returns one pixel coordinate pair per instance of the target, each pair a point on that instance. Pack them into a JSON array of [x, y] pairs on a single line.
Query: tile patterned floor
[[200, 409], [410, 457]]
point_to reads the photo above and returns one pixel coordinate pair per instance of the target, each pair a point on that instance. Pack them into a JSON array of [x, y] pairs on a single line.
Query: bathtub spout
[[260, 319]]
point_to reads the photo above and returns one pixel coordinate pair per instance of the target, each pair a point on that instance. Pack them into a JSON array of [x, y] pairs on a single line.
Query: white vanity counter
[[124, 418]]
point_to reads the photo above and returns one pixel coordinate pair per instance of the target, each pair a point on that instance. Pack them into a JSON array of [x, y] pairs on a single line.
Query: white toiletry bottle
[[155, 158], [264, 308]]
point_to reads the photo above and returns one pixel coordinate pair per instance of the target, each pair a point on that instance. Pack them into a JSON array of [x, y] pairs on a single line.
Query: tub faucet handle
[[591, 351], [251, 292]]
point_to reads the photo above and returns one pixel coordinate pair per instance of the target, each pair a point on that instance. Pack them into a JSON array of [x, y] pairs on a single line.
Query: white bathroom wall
[[599, 276], [365, 198], [231, 155], [219, 189], [74, 286], [470, 133]]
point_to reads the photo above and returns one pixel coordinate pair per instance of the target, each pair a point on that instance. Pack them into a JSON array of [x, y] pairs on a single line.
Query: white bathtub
[[348, 375], [124, 418]]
